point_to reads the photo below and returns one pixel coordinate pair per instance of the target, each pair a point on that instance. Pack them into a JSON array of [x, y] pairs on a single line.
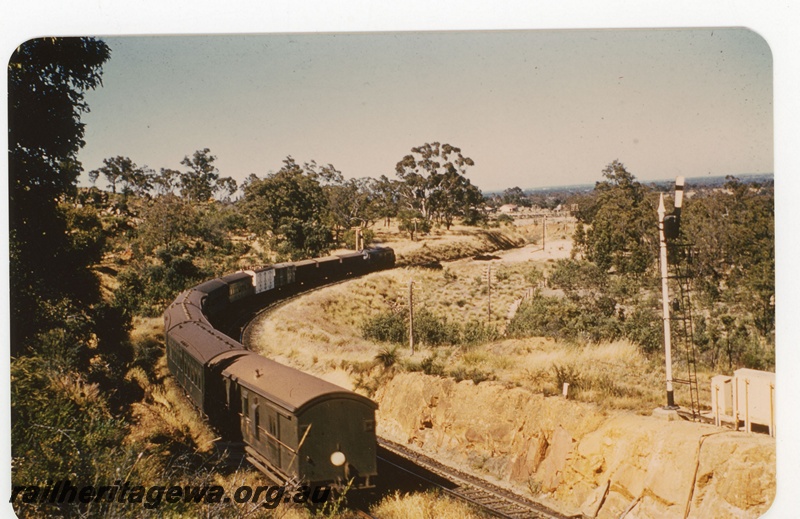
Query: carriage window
[[245, 409], [255, 426]]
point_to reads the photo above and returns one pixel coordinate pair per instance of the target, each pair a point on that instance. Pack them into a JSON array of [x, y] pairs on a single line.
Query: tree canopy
[[733, 234], [47, 78], [288, 209], [123, 170], [201, 181], [434, 183], [623, 223]]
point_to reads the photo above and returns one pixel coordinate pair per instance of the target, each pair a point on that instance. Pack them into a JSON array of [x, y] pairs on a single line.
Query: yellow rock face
[[573, 455]]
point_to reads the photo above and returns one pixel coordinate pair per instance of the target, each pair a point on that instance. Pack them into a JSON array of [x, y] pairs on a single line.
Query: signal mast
[[668, 228]]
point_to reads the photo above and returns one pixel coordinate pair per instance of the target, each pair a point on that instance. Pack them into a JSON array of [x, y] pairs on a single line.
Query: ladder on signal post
[[680, 266]]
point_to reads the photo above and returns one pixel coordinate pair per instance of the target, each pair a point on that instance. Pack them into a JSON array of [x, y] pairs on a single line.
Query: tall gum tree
[[434, 183]]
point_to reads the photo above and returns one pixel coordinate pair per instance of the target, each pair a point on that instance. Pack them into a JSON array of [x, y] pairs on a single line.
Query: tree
[[434, 182], [623, 224], [202, 180], [387, 198], [166, 181], [123, 170], [287, 208], [455, 196], [351, 202], [516, 196], [228, 186], [166, 221], [412, 222], [47, 78], [733, 235]]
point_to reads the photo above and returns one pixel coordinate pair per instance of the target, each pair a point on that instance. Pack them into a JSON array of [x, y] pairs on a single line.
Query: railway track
[[239, 326], [495, 500], [482, 494]]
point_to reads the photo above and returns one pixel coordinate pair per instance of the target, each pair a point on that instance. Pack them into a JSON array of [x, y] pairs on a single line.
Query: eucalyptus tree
[[434, 183], [287, 209], [201, 181], [122, 170], [622, 223]]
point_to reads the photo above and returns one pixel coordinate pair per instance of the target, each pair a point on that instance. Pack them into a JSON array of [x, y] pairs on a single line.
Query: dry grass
[[175, 446], [321, 333], [424, 506], [164, 415], [445, 245]]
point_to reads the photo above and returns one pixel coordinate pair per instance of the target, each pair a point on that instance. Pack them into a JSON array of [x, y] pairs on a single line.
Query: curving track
[[466, 487], [431, 473]]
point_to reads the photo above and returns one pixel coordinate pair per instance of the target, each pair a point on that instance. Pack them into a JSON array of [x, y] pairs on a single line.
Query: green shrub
[[386, 327], [431, 330], [645, 328], [504, 219], [430, 366], [349, 238], [476, 375], [569, 374], [534, 276], [476, 332], [543, 317], [387, 356], [573, 275]]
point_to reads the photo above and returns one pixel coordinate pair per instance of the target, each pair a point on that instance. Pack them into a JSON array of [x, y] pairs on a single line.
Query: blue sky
[[532, 108]]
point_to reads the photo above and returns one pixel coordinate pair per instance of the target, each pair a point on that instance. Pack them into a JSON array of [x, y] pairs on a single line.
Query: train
[[295, 427]]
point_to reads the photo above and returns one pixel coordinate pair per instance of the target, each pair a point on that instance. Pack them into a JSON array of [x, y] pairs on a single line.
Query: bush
[[543, 317], [645, 328], [430, 366], [386, 327], [573, 275], [432, 330], [476, 375], [60, 425], [387, 356], [567, 374], [429, 330], [476, 332], [504, 219], [534, 276], [349, 238], [568, 319]]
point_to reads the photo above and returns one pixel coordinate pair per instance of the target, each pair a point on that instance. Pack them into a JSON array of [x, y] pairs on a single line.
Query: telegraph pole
[[489, 284], [411, 315], [544, 230]]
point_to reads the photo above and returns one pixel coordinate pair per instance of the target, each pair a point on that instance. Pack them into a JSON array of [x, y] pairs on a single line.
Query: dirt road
[[556, 249]]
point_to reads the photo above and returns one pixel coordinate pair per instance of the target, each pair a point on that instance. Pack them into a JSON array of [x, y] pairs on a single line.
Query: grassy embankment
[[322, 332]]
